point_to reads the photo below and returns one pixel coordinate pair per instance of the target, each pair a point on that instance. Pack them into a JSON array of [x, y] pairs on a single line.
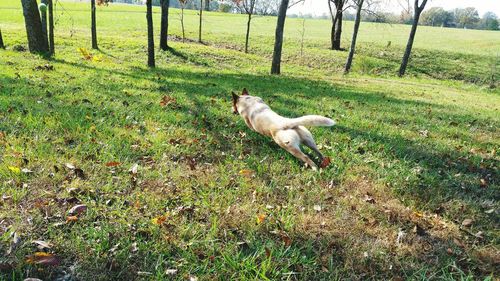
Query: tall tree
[[207, 5], [336, 14], [467, 17], [36, 42], [247, 7], [359, 6], [165, 4], [201, 18], [2, 46], [489, 21], [151, 42], [278, 38], [93, 27], [51, 28], [417, 10]]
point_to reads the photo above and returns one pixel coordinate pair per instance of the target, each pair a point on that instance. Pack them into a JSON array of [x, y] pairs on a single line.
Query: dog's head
[[237, 100]]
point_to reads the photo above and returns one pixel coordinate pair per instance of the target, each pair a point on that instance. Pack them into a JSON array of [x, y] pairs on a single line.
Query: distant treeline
[[435, 16], [467, 18]]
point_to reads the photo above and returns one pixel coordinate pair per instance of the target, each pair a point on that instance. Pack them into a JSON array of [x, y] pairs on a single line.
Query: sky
[[318, 7]]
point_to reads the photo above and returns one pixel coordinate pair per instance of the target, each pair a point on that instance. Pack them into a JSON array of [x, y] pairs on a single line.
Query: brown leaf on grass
[[43, 258], [113, 164], [369, 199], [246, 173], [286, 239], [133, 169], [167, 100], [483, 183], [268, 252], [467, 222], [261, 218], [159, 220], [325, 163], [78, 209], [41, 245], [71, 219]]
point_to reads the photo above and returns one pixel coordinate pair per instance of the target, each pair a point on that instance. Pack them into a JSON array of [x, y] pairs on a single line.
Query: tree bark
[[207, 5], [182, 24], [2, 46], [165, 5], [337, 32], [201, 16], [151, 42], [93, 25], [354, 37], [43, 15], [36, 41], [416, 16], [278, 38], [248, 32], [51, 28]]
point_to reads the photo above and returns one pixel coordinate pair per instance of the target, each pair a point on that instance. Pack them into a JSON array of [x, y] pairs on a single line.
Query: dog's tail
[[308, 120]]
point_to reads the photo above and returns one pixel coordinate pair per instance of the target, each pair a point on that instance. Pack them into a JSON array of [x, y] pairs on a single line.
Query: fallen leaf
[[16, 240], [113, 164], [41, 245], [317, 208], [166, 100], [26, 170], [326, 161], [369, 199], [246, 173], [261, 218], [78, 209], [15, 170], [43, 258], [483, 183], [133, 169], [79, 173], [268, 252], [467, 222], [71, 219], [286, 239], [159, 220], [171, 271], [70, 166]]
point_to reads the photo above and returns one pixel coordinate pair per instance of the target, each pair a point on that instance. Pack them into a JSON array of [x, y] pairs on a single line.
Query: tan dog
[[289, 133]]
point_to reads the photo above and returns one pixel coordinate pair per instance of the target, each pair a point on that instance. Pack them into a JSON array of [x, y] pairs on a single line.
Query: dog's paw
[[326, 161]]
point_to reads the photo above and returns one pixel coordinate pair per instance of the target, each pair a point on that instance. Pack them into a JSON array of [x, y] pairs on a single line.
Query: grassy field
[[177, 187]]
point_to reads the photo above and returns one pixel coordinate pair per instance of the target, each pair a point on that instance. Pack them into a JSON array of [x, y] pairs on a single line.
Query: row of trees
[[36, 26]]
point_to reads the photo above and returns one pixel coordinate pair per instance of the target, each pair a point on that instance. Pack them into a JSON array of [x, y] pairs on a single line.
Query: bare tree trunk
[[338, 31], [354, 37], [416, 16], [201, 17], [151, 42], [182, 25], [332, 34], [43, 15], [36, 42], [248, 32], [93, 27], [51, 28], [207, 5], [165, 5], [2, 46], [278, 38]]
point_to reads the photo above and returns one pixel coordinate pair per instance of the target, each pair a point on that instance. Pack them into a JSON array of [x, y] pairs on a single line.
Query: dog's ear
[[235, 96], [244, 92]]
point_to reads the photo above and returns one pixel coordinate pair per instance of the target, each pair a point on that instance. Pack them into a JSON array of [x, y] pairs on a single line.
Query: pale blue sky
[[318, 7]]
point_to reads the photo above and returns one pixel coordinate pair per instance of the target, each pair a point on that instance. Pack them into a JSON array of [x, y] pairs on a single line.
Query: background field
[[412, 192]]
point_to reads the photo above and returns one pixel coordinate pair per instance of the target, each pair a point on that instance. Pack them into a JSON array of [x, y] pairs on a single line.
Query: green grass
[[418, 146]]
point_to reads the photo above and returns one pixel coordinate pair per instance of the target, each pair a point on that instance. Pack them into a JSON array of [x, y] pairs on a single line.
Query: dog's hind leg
[[290, 140], [307, 139]]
